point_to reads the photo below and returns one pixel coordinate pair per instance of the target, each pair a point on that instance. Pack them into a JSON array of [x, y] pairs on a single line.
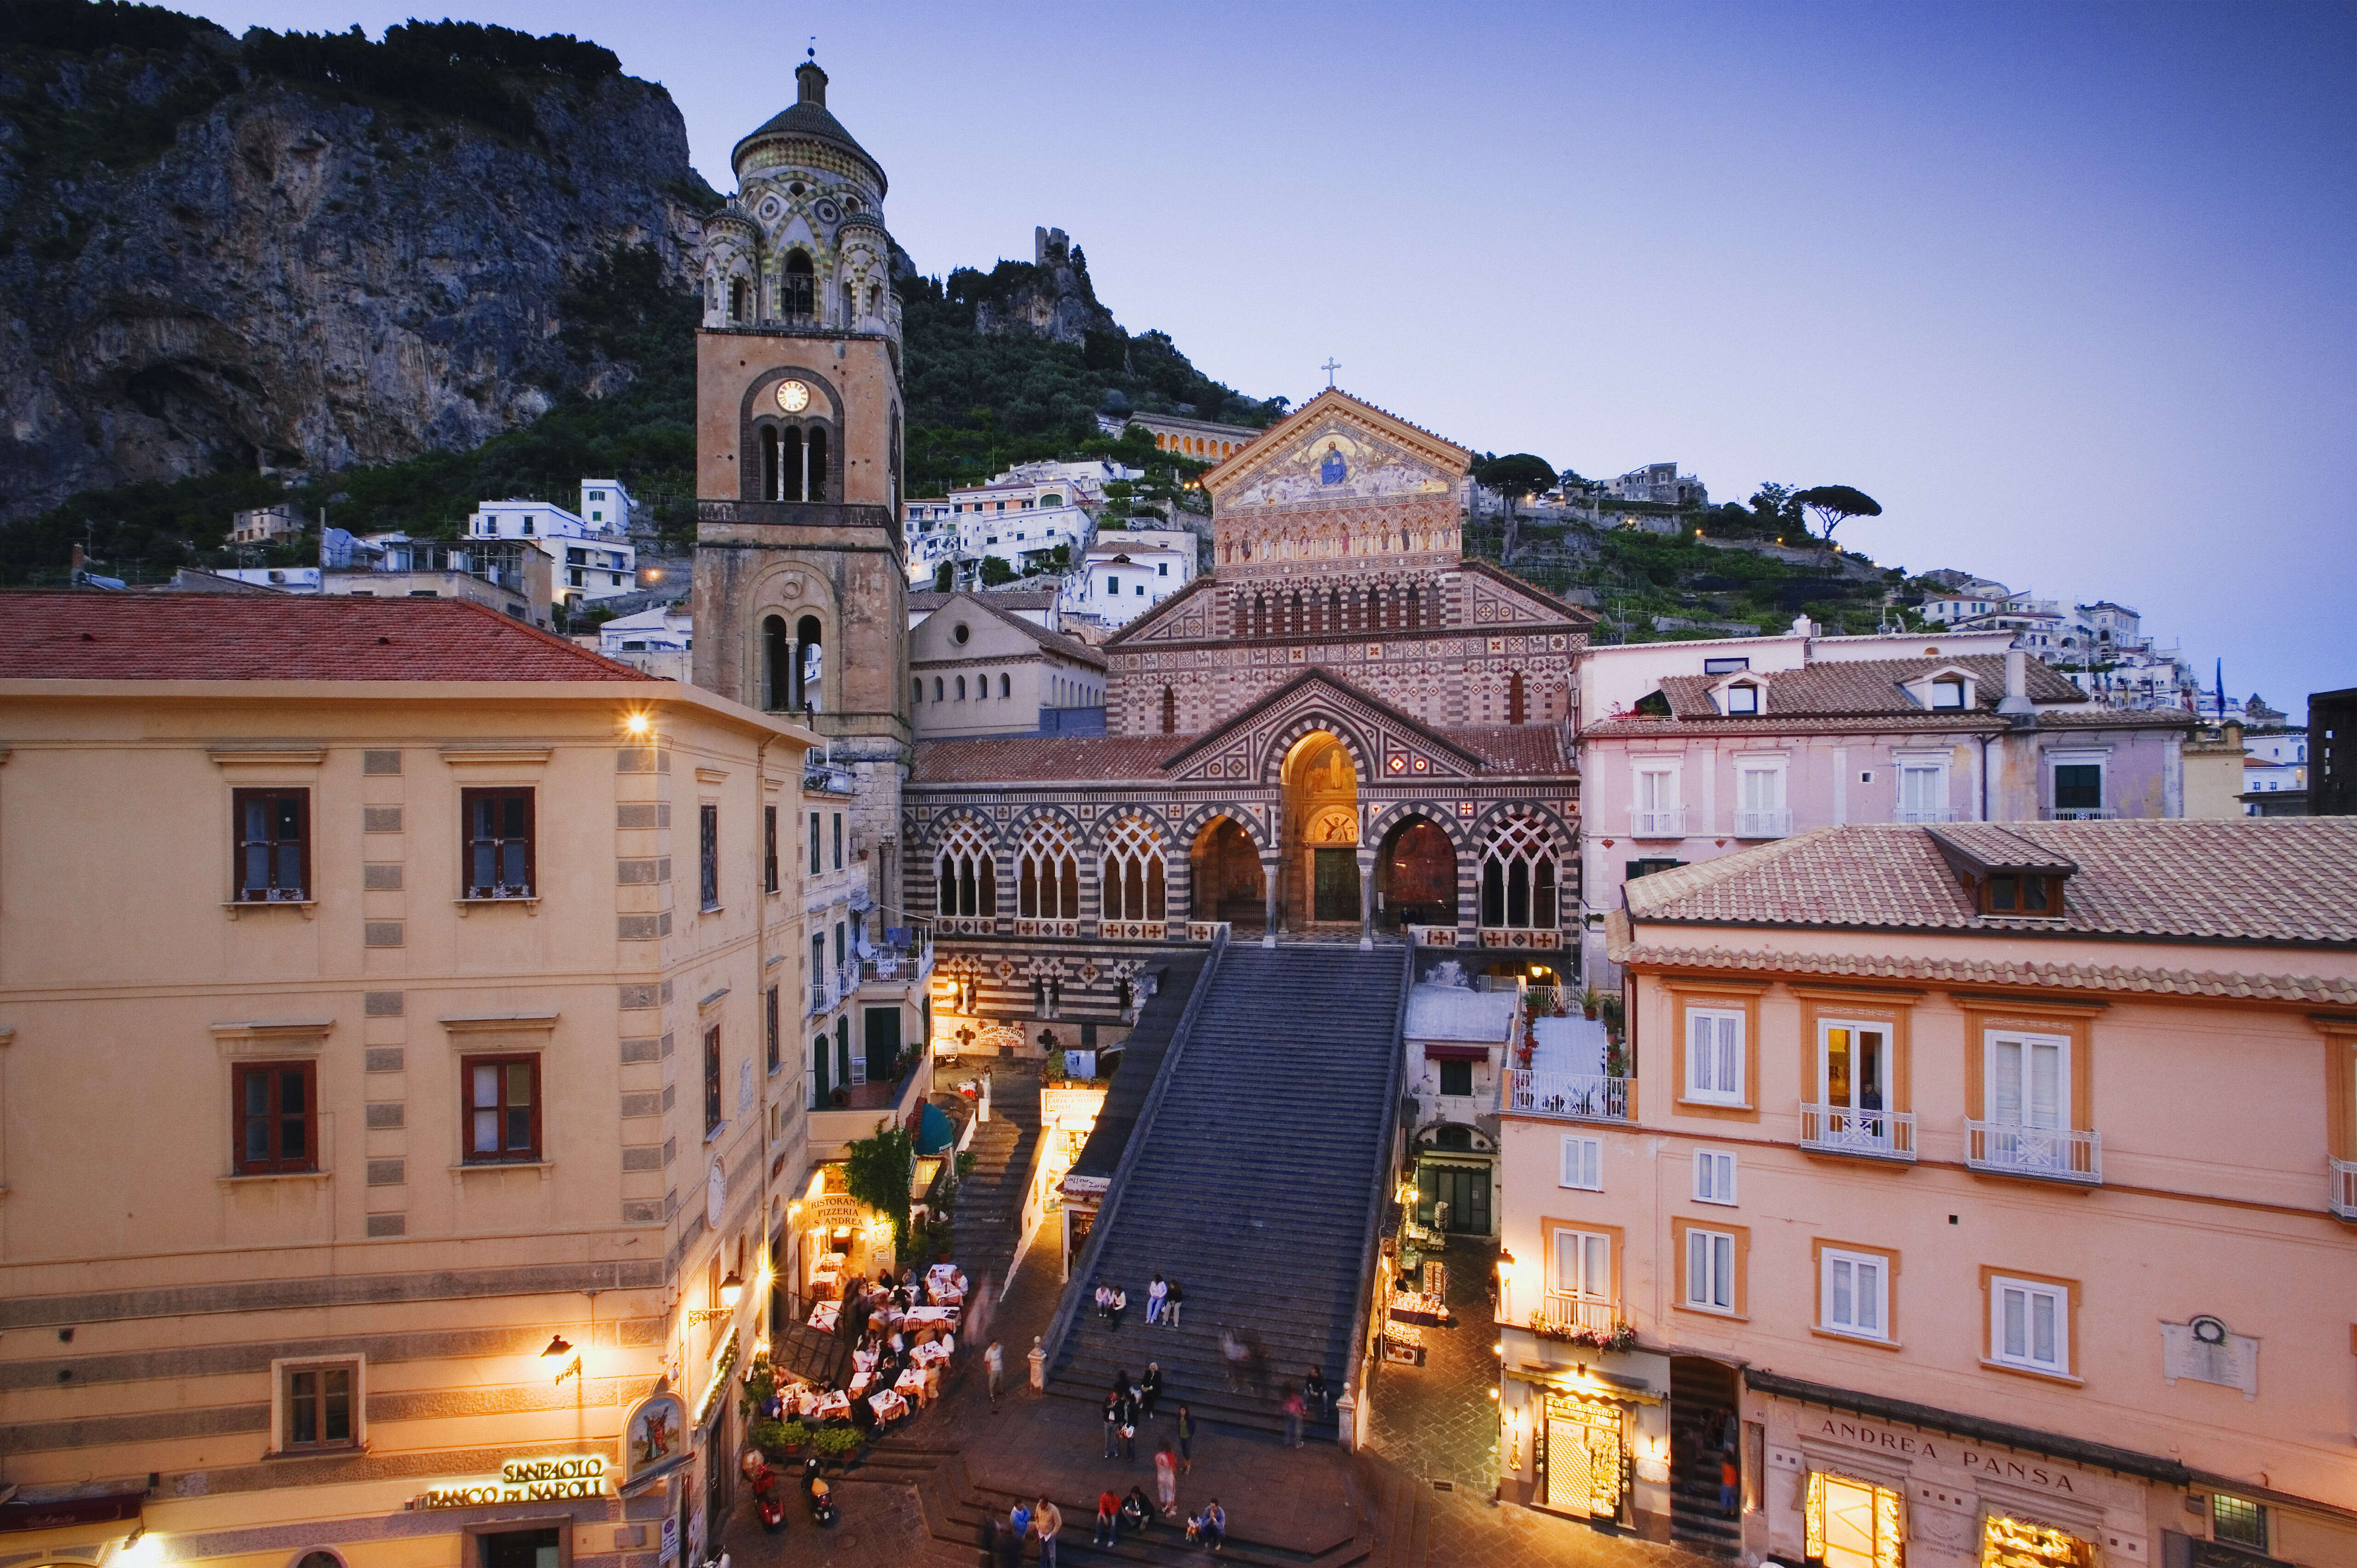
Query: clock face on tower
[[793, 396]]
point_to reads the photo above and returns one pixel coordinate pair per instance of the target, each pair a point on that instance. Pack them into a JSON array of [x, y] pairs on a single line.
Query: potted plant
[[1590, 1000], [837, 1443]]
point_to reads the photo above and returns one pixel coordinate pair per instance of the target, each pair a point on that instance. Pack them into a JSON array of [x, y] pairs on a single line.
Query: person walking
[[1231, 1352], [1173, 1299], [1156, 1296], [1108, 1529], [1112, 1424], [1047, 1519], [1149, 1389], [1166, 1480], [1186, 1440], [1293, 1407], [1321, 1398], [993, 1363], [1728, 1477]]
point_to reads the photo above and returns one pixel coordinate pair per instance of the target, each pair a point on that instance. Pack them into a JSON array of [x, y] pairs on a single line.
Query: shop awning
[[1583, 1379], [1435, 1052], [57, 1513], [2077, 1451]]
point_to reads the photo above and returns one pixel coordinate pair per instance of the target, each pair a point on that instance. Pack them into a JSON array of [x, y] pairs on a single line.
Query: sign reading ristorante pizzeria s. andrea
[[526, 1481]]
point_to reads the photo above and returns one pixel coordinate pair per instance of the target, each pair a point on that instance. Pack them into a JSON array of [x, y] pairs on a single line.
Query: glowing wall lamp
[[731, 1289], [557, 1346]]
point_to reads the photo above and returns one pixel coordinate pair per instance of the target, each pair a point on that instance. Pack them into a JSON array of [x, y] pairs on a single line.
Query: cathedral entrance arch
[[1415, 876], [1320, 876], [1226, 881]]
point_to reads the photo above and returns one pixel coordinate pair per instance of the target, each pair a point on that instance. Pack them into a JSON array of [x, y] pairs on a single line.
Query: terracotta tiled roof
[[1006, 598], [1852, 688], [2247, 879], [1630, 726], [2304, 989], [1516, 749], [231, 636], [1054, 758]]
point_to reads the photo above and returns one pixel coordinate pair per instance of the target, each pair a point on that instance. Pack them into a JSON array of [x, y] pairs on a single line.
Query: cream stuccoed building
[[397, 1006]]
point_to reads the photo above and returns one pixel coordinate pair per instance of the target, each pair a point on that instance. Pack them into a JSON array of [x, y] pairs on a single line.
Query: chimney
[[812, 82], [2016, 684]]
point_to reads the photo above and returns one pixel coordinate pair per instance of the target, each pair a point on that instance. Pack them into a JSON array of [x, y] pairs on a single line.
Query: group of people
[[1127, 1405], [1164, 1300], [903, 1332]]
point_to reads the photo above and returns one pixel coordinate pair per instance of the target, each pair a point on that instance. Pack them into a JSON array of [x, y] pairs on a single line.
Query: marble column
[[1366, 899], [1269, 867]]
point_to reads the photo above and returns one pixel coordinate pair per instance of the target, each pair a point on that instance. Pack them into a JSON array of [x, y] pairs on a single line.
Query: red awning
[[1447, 1053]]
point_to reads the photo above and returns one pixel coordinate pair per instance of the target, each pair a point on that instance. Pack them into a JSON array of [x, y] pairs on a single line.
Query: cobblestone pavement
[[1436, 1421], [1440, 1421]]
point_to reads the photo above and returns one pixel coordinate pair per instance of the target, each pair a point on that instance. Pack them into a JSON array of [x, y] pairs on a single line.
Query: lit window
[[2239, 1521]]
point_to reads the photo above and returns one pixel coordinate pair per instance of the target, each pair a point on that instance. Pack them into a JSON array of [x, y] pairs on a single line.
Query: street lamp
[[731, 1289], [558, 1346]]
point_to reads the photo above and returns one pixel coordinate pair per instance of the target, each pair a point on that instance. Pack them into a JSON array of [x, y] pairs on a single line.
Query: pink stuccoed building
[[1693, 751], [1960, 1195]]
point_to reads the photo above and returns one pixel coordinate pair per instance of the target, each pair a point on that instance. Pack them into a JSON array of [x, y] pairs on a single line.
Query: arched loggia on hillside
[[1415, 876]]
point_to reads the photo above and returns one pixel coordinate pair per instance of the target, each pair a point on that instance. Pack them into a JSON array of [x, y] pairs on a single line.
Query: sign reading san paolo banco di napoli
[[526, 1481]]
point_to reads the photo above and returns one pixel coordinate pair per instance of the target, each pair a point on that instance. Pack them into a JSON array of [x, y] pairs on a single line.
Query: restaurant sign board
[[526, 1481]]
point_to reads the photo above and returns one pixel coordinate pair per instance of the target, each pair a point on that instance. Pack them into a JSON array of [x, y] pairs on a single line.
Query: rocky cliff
[[220, 253], [1052, 298]]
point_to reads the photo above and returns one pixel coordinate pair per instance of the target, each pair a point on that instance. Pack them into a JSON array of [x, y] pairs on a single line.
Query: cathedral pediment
[[1338, 449], [1385, 743], [1184, 617], [1497, 599]]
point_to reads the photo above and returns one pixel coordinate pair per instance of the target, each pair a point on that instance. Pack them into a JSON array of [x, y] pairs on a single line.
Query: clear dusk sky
[[2067, 288]]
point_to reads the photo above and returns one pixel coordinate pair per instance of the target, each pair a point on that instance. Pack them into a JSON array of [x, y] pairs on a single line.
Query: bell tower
[[800, 588]]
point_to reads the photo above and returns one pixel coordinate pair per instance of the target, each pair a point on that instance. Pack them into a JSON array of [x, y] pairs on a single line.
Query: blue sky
[[2068, 288]]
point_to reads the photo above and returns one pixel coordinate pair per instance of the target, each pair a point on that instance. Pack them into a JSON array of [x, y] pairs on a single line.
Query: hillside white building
[[1128, 571], [593, 560]]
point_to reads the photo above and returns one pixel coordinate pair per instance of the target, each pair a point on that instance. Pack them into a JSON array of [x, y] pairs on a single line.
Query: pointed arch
[[1131, 886]]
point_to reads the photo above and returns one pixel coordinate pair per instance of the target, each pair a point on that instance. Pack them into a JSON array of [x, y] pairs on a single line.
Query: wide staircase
[[1252, 1185], [990, 1199]]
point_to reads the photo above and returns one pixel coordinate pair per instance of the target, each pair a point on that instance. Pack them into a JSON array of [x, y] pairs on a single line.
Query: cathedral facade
[[1347, 730]]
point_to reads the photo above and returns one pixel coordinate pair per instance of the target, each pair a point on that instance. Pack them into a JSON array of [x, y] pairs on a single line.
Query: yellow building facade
[[400, 1020]]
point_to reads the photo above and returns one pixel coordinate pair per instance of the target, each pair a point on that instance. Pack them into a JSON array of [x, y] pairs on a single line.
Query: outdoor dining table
[[933, 1355], [824, 1316], [948, 1316], [911, 1383], [861, 1380], [888, 1405], [834, 1406]]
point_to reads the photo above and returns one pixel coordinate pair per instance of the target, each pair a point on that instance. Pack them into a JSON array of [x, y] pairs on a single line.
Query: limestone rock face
[[306, 283]]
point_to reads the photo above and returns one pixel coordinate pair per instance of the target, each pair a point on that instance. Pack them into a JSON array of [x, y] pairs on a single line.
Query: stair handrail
[[1379, 1201], [1059, 1326]]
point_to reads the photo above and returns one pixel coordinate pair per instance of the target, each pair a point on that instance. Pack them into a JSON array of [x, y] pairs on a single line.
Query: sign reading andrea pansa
[[526, 1481]]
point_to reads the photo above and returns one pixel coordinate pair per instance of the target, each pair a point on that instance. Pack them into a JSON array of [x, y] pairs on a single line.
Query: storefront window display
[[1584, 1453], [2017, 1543], [1853, 1524]]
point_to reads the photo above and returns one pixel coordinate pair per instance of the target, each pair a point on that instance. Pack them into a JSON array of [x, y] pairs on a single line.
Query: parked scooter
[[819, 1495], [769, 1500]]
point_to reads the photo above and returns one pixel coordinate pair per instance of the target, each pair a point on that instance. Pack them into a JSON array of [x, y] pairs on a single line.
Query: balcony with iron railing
[[909, 963], [1868, 1134], [1574, 1096], [825, 993], [1762, 824], [1923, 814], [1564, 1312], [2051, 1153], [2077, 813], [2344, 1188], [1657, 823]]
